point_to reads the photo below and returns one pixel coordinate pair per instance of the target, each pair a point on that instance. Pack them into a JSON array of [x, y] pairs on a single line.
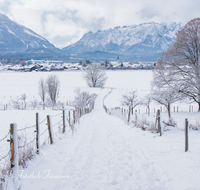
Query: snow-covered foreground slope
[[107, 154]]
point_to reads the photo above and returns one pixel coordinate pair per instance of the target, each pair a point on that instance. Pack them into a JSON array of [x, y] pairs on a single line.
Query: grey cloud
[[5, 6], [62, 40], [70, 14], [95, 24], [148, 13]]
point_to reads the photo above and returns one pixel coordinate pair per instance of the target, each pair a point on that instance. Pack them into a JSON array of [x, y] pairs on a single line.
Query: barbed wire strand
[[56, 115], [5, 137], [26, 144], [2, 158], [4, 144], [26, 128], [43, 132], [42, 121], [56, 123]]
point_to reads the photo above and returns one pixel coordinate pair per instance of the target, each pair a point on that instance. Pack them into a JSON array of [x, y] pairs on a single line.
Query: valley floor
[[107, 154]]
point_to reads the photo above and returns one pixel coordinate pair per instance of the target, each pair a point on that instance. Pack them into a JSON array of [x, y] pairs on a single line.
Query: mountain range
[[148, 39], [137, 42]]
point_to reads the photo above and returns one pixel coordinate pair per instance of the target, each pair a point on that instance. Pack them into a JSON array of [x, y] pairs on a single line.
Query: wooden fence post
[[79, 112], [13, 145], [159, 126], [69, 118], [49, 128], [186, 135], [37, 135], [14, 153], [63, 121], [129, 113], [74, 118], [135, 117]]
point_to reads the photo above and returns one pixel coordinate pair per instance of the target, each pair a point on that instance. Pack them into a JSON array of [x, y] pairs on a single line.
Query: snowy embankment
[[107, 154]]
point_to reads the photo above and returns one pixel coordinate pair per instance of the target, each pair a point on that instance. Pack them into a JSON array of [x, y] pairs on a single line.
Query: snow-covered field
[[104, 153]]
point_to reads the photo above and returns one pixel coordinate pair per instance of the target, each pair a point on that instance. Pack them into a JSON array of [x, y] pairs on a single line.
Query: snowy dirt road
[[107, 154]]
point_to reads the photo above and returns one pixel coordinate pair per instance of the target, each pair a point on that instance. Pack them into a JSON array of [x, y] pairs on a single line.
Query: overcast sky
[[64, 22]]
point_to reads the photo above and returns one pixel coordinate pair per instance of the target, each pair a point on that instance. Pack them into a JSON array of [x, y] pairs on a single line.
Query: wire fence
[[30, 137]]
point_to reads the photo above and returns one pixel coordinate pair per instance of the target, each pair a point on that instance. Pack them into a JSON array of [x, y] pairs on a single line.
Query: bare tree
[[23, 98], [16, 102], [180, 64], [166, 97], [83, 99], [147, 101], [95, 76], [42, 89], [34, 103], [130, 99], [53, 86]]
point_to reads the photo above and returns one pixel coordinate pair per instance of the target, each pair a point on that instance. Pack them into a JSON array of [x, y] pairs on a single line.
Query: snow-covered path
[[106, 154], [108, 158]]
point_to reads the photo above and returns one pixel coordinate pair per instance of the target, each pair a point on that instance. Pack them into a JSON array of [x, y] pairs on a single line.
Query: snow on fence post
[[14, 153], [49, 129], [186, 135], [37, 135], [63, 116]]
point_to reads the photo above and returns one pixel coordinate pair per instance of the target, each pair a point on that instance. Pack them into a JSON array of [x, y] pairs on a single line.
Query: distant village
[[52, 65]]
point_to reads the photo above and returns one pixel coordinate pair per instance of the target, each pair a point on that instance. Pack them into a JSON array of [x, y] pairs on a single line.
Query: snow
[[104, 152], [16, 36], [35, 35]]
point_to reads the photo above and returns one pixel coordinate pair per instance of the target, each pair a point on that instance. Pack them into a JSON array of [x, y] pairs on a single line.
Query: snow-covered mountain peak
[[145, 38], [15, 39]]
